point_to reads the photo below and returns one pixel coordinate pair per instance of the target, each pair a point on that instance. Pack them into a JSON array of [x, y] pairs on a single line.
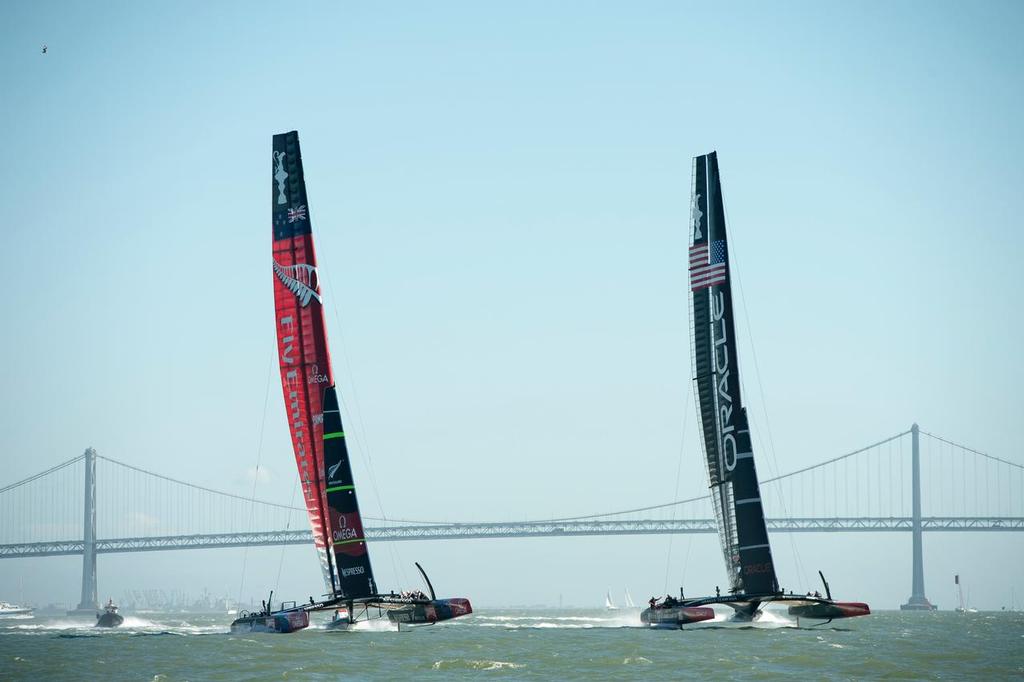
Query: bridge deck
[[465, 531]]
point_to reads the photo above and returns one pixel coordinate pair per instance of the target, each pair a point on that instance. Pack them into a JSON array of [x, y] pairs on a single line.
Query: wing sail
[[725, 433], [303, 356]]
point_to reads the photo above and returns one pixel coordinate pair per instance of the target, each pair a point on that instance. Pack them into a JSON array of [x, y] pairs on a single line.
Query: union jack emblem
[[297, 214]]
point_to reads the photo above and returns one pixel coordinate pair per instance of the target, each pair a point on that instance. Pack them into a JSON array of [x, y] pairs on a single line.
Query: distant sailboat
[[608, 603], [961, 604], [630, 604], [725, 435]]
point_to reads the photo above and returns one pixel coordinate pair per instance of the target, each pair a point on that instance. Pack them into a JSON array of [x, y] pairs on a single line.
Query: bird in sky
[[44, 49]]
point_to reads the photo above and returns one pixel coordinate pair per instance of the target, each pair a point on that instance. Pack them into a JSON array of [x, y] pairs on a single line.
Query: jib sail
[[725, 433], [351, 558], [301, 337]]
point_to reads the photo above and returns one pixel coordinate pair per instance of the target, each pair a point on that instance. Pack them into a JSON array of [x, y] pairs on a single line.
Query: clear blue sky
[[500, 192]]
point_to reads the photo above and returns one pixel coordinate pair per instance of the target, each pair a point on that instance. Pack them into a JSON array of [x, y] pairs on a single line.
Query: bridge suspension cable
[[971, 450], [700, 498], [58, 467], [869, 482], [241, 498]]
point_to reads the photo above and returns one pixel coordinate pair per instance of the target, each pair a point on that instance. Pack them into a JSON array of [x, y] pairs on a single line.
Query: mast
[[725, 432], [304, 359]]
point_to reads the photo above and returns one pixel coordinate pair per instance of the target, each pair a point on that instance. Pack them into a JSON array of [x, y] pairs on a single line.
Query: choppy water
[[558, 644]]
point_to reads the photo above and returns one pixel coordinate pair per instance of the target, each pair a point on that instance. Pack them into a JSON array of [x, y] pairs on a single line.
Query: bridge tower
[[89, 602], [917, 601]]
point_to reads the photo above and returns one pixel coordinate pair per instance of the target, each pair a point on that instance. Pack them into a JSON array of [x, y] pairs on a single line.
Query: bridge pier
[[89, 604], [917, 601]]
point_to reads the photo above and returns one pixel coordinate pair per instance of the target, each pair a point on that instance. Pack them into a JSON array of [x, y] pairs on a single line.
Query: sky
[[500, 193]]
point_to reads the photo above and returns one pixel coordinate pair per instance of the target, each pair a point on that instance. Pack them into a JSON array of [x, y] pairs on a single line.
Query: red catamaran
[[318, 437]]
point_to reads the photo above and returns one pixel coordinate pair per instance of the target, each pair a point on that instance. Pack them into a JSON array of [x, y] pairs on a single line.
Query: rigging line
[[772, 460], [962, 447], [686, 398], [198, 487], [288, 526], [44, 473], [358, 429], [675, 492], [356, 414], [259, 457]]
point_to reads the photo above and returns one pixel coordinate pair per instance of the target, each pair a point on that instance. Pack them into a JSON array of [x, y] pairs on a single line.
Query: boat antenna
[[433, 597], [828, 592]]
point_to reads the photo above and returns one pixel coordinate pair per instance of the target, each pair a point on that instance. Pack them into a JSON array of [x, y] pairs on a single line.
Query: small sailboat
[[629, 603], [961, 604], [608, 603], [318, 437], [110, 618], [725, 436]]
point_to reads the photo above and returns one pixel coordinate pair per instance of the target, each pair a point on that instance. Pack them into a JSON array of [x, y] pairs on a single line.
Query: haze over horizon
[[500, 195]]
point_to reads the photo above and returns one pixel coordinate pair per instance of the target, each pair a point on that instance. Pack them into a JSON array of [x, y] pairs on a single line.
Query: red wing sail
[[301, 336]]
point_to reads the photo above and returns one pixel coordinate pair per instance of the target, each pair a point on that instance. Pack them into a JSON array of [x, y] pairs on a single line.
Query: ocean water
[[522, 644]]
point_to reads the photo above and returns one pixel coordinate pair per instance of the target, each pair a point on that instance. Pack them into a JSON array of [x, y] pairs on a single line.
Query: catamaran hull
[[432, 612], [676, 616], [830, 610], [283, 622]]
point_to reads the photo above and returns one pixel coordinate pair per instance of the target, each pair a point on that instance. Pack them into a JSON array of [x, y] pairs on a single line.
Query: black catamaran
[[725, 434], [318, 438]]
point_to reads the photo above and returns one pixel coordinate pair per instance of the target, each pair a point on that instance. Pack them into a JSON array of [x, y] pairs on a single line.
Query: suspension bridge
[[912, 482]]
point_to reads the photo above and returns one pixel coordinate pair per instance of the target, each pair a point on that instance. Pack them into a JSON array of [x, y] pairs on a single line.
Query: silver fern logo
[[333, 470], [300, 279]]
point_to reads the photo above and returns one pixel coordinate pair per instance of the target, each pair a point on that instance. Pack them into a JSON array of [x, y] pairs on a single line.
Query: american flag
[[297, 214], [704, 271]]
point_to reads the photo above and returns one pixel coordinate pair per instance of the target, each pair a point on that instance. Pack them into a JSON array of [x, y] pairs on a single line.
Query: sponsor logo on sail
[[720, 353], [331, 472], [300, 279], [280, 175], [695, 215], [355, 570], [345, 534], [297, 214], [315, 377]]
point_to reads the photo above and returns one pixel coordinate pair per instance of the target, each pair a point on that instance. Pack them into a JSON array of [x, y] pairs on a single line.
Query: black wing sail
[[725, 433], [353, 573]]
